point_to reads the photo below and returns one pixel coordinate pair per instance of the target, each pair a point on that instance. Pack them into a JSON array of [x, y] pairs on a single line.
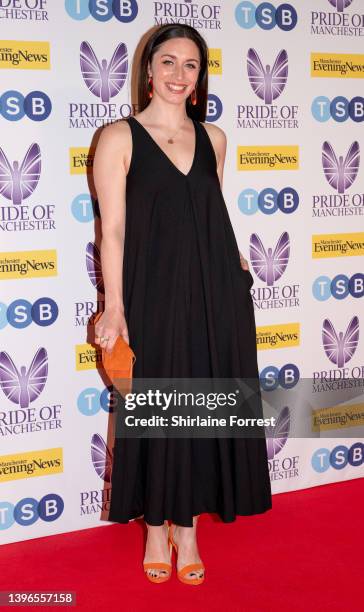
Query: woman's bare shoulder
[[116, 135], [214, 130], [115, 145]]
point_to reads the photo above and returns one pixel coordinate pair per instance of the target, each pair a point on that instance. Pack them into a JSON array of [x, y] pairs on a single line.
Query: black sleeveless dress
[[189, 314]]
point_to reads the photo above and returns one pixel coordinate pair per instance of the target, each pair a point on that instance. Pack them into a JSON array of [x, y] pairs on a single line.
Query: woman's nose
[[178, 72]]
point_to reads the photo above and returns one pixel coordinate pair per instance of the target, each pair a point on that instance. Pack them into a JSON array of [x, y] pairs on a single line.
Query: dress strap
[[207, 148]]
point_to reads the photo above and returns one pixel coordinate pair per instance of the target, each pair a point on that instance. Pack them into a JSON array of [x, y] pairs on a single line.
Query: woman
[[178, 290]]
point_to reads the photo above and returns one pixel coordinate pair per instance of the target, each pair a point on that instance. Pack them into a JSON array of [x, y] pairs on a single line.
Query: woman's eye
[[167, 62], [191, 66]]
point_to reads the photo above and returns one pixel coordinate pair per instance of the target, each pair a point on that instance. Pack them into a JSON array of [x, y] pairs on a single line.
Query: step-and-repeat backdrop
[[286, 86]]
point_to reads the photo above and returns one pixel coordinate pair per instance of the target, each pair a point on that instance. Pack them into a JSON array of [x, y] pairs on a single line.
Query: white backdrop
[[53, 405]]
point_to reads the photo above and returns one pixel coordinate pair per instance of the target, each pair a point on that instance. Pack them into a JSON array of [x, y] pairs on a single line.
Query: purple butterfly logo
[[104, 80], [101, 457], [18, 181], [340, 5], [267, 83], [340, 347], [276, 435], [22, 386], [340, 173], [93, 265], [269, 265]]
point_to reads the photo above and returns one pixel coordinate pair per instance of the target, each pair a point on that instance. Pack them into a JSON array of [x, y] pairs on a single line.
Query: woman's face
[[175, 68]]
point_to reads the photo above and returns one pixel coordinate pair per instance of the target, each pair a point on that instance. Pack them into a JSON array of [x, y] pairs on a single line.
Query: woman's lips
[[176, 88]]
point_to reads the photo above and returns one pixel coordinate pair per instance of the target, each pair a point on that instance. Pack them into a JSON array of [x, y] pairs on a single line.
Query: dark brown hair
[[160, 35]]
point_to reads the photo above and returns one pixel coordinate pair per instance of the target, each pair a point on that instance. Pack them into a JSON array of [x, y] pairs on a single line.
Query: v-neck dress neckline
[[164, 154]]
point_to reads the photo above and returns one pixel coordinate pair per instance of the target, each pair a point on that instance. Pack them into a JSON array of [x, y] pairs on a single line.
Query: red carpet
[[304, 554]]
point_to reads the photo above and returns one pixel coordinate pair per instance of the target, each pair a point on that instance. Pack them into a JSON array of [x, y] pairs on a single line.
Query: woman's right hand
[[110, 325]]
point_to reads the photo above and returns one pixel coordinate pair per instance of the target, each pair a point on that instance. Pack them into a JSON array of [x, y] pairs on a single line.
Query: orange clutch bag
[[118, 364]]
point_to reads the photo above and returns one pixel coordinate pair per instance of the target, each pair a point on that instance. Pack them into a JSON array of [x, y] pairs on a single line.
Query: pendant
[[170, 140]]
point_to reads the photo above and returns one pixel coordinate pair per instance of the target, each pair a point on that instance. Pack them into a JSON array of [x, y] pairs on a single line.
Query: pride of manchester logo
[[340, 346], [345, 18], [340, 172], [23, 385], [268, 81], [340, 5], [104, 79], [199, 14], [269, 264], [18, 180], [339, 343]]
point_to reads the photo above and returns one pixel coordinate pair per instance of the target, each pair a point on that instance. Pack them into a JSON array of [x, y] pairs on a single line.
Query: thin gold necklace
[[170, 140]]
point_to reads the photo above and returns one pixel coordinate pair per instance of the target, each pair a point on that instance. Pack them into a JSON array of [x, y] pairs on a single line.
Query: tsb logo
[[21, 313], [214, 108], [339, 109], [35, 105], [91, 400], [266, 16], [85, 208], [102, 10], [338, 458], [268, 201], [339, 287], [272, 377], [28, 510]]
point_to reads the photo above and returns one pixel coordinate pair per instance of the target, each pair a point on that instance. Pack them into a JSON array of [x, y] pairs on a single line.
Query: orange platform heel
[[159, 565], [189, 568]]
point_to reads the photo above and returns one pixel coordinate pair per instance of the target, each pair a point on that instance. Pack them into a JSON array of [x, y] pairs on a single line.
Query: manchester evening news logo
[[24, 54], [30, 464], [337, 65], [281, 335], [267, 157], [337, 245], [28, 264]]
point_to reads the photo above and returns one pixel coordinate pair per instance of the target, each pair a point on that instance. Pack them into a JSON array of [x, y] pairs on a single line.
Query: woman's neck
[[167, 115]]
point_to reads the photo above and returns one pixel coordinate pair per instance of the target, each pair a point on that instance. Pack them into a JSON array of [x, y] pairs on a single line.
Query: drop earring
[[194, 97], [150, 87]]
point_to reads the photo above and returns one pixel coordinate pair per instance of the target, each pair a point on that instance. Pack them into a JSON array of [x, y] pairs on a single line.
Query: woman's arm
[[109, 170]]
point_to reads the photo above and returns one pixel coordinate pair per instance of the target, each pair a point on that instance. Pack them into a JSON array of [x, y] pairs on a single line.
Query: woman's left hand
[[243, 262]]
